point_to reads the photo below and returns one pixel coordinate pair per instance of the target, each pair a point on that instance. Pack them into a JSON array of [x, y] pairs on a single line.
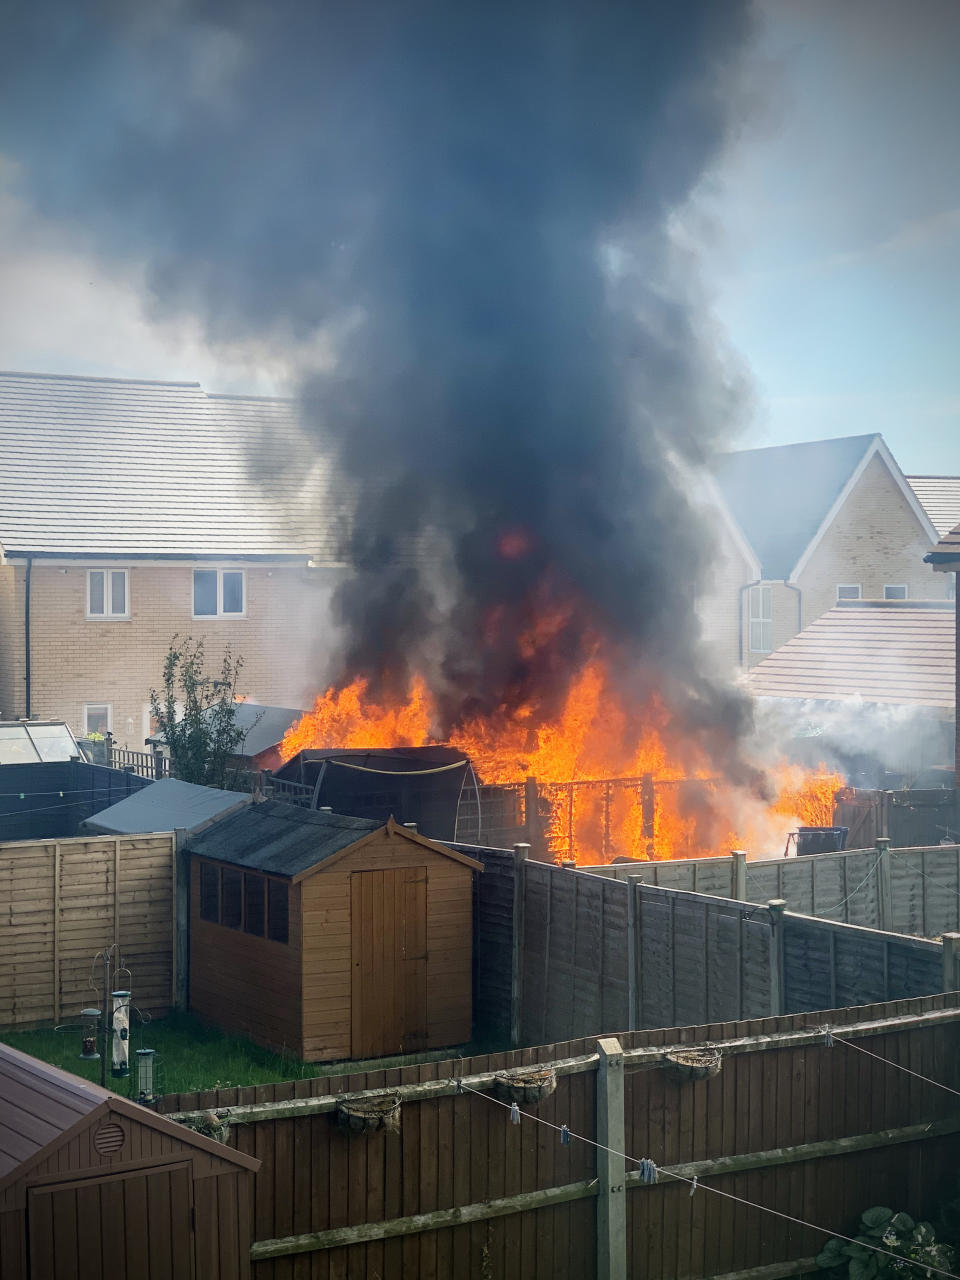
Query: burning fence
[[597, 781]]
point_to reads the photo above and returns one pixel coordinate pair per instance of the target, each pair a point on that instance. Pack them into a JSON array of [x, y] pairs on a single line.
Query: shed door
[[388, 954], [136, 1226]]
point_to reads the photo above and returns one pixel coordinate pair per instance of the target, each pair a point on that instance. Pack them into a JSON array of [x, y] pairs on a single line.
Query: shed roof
[[940, 498], [167, 805], [780, 496], [887, 651], [284, 840], [40, 1105], [385, 760], [117, 467]]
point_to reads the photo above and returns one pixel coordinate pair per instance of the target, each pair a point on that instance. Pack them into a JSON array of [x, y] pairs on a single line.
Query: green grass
[[192, 1055]]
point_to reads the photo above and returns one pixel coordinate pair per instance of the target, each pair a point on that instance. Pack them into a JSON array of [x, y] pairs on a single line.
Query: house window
[[209, 893], [97, 718], [761, 620], [848, 591], [218, 593], [895, 592], [278, 913], [107, 594], [254, 904], [231, 898]]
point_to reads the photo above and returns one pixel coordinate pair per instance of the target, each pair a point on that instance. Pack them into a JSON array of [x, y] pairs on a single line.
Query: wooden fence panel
[[63, 901], [881, 1137]]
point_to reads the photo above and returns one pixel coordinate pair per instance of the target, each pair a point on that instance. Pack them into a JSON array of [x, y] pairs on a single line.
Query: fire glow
[[592, 741]]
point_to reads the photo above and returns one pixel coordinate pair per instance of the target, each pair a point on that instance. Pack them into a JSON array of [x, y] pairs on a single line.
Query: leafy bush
[[914, 1245]]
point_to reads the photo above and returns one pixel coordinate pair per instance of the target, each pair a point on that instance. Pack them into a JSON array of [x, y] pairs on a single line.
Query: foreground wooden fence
[[815, 1132], [62, 901]]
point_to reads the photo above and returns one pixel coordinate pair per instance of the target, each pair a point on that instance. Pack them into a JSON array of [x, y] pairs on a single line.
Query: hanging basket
[[369, 1115], [525, 1087], [209, 1125], [692, 1064]]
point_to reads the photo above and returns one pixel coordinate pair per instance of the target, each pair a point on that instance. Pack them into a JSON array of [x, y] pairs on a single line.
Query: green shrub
[[914, 1245]]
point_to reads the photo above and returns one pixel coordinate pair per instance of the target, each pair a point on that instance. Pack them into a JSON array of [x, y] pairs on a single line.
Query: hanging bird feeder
[[145, 1063], [89, 1035], [121, 1034]]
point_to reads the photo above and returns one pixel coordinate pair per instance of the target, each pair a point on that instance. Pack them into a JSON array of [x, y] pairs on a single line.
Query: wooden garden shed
[[94, 1186], [329, 936]]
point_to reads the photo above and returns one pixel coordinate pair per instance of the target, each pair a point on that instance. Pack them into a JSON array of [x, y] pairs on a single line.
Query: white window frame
[[850, 586], [108, 615], [88, 706], [210, 617], [896, 586], [763, 620]]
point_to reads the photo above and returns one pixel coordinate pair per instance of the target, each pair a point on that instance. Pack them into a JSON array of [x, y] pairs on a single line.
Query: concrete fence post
[[776, 907], [738, 876], [951, 957], [520, 854], [611, 1166]]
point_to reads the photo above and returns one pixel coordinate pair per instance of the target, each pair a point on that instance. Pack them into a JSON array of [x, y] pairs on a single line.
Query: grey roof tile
[[111, 467], [940, 498]]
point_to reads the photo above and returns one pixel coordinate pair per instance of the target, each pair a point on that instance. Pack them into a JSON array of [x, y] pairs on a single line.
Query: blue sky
[[829, 237], [834, 253]]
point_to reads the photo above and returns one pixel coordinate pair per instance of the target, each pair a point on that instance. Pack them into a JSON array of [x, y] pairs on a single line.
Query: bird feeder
[[145, 1062], [121, 1033], [89, 1034]]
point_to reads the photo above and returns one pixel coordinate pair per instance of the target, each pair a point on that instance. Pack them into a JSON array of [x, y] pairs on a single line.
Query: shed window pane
[[278, 917], [231, 898], [205, 593], [118, 591], [97, 591], [233, 591], [209, 893], [254, 906]]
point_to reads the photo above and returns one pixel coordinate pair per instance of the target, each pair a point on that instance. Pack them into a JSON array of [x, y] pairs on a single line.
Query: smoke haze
[[465, 212]]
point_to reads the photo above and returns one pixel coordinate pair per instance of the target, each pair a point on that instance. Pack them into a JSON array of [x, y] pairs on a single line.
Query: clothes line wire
[[693, 1183]]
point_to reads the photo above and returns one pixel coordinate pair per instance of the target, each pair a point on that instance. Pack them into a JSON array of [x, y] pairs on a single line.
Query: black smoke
[[473, 201]]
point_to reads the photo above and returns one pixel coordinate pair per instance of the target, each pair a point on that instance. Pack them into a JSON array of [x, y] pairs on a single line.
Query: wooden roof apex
[[43, 1107]]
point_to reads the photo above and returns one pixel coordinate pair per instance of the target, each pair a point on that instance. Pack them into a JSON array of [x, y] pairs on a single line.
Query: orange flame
[[595, 742]]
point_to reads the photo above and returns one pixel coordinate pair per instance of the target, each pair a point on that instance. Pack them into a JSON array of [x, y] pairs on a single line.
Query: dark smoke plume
[[474, 201]]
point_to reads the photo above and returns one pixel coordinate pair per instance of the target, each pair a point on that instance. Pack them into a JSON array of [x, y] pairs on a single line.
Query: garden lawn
[[191, 1055]]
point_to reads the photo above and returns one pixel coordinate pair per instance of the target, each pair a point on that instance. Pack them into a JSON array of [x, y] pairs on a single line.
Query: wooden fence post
[[951, 957], [776, 908], [611, 1166], [738, 875], [520, 854], [884, 897]]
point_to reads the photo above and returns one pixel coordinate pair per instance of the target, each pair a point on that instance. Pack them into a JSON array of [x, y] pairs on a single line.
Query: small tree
[[196, 714]]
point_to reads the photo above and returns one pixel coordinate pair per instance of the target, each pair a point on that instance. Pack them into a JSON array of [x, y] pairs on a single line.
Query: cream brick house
[[800, 527], [133, 510]]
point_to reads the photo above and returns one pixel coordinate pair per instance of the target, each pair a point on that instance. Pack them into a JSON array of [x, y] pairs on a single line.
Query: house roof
[[780, 496], [886, 651], [285, 840], [940, 498], [166, 805], [784, 498], [41, 1105], [946, 554], [121, 468]]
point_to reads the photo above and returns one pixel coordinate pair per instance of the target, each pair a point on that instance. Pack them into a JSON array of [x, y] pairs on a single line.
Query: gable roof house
[[805, 526], [130, 511]]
